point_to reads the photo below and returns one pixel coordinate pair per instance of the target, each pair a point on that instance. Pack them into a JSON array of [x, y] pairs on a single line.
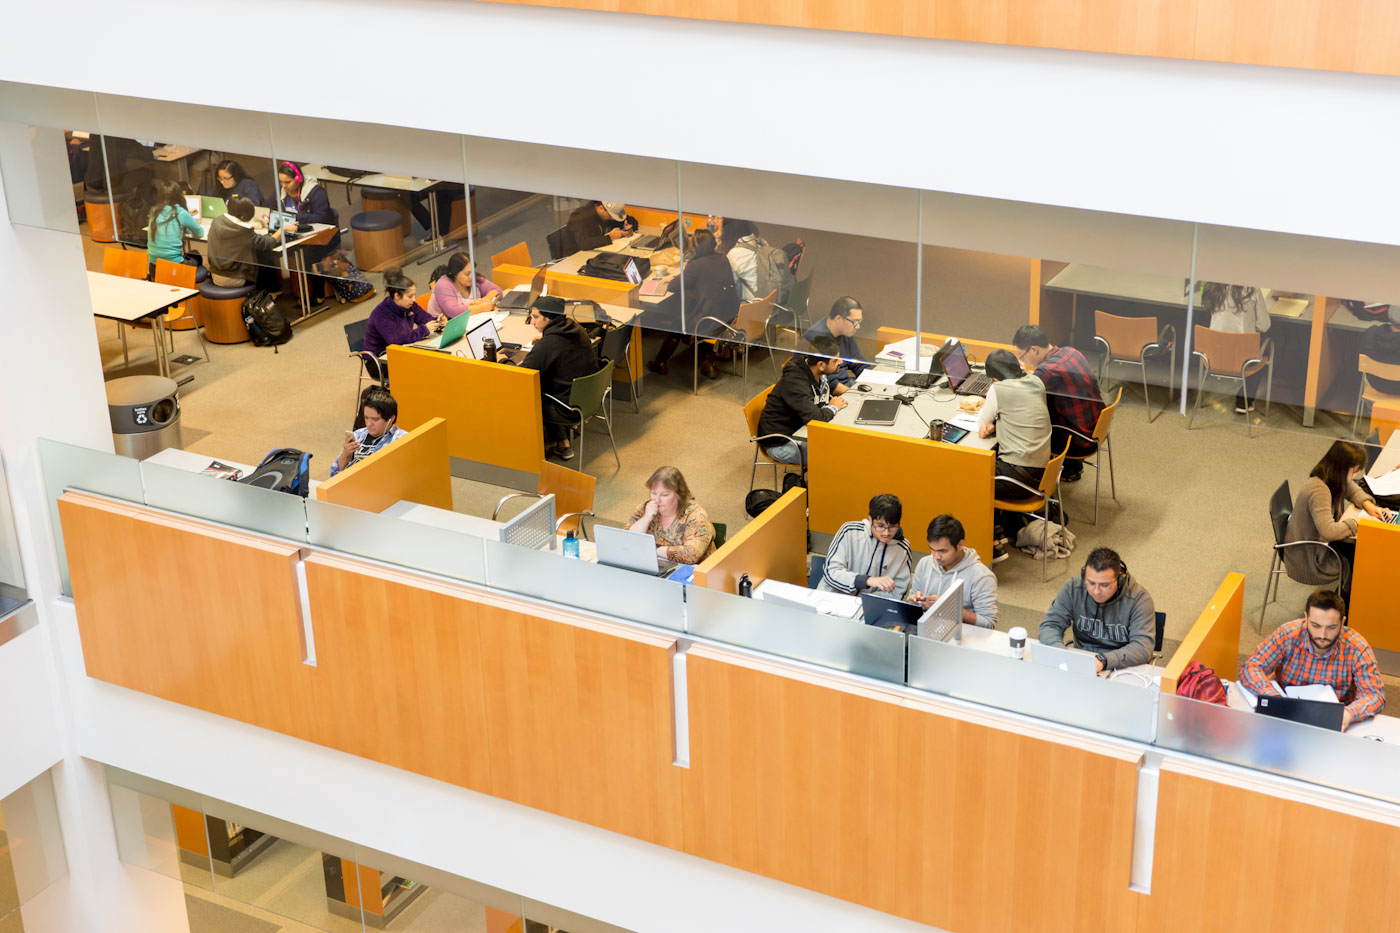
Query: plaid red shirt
[[1349, 668], [1071, 390]]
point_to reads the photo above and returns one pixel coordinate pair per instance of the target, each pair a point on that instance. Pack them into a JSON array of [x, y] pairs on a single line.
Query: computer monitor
[[479, 334]]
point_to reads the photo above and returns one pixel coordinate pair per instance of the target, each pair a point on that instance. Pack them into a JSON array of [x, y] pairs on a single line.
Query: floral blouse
[[689, 540]]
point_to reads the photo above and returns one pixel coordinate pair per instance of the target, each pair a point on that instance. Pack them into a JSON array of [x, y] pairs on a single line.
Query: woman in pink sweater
[[460, 291]]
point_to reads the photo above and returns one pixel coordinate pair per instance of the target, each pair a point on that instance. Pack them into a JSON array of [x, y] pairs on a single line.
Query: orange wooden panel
[[188, 611], [865, 16], [929, 477], [1372, 611], [976, 348], [1384, 420], [1163, 28], [511, 276], [1317, 381], [190, 834], [517, 255], [588, 288], [580, 722], [1334, 35], [371, 895], [399, 664], [492, 410], [1233, 858], [498, 921], [414, 467], [350, 879], [1215, 638], [772, 545], [863, 797]]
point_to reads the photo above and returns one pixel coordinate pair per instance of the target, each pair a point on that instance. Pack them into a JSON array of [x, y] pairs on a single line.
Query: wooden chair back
[[508, 276], [1125, 336], [1378, 369], [124, 262], [517, 255], [753, 317], [1050, 480], [1105, 422], [573, 491], [1226, 353], [181, 276], [423, 300], [753, 410]]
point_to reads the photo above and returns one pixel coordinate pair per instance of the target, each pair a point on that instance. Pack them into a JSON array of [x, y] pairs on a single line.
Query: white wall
[[1267, 148]]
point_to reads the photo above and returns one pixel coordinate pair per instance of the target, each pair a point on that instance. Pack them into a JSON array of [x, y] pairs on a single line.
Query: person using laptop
[[871, 555], [562, 353], [949, 562], [671, 515], [459, 290], [800, 396], [1110, 614], [842, 323], [1319, 649], [598, 223], [306, 198], [233, 182], [398, 319], [1071, 390], [707, 284], [238, 254], [1317, 516], [381, 414], [166, 226], [1381, 342], [1015, 412]]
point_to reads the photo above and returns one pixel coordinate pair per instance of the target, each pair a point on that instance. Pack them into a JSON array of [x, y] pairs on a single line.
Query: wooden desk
[[911, 421], [118, 298], [1372, 608]]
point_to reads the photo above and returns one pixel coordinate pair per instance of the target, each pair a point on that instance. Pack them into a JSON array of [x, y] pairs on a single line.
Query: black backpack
[[267, 326], [283, 470], [613, 266]]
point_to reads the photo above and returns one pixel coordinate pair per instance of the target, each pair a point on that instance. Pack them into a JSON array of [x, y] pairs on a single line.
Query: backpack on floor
[[347, 281], [267, 327], [283, 470]]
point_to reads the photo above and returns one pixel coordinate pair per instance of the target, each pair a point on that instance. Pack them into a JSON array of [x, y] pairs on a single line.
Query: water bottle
[[488, 351], [745, 586], [570, 545]]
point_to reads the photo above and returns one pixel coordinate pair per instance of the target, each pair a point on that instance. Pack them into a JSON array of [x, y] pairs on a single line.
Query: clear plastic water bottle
[[570, 545]]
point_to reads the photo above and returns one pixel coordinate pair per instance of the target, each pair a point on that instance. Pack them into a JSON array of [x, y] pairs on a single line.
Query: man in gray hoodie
[[948, 562], [1111, 614]]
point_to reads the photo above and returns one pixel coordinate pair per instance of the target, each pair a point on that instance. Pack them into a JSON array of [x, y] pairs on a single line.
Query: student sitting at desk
[[800, 396], [708, 286], [842, 322], [562, 353], [398, 319], [308, 200], [1319, 649], [597, 224], [1071, 390], [238, 254], [452, 292], [871, 555], [233, 182], [1111, 615], [1317, 516], [1382, 344], [671, 515], [740, 242], [167, 226], [1237, 309], [381, 413], [1015, 411], [950, 562]]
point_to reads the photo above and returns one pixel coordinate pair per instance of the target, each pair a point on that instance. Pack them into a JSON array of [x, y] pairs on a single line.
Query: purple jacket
[[389, 325]]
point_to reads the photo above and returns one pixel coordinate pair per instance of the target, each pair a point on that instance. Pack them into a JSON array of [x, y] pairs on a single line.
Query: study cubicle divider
[[772, 546], [413, 468], [1372, 608], [976, 348], [847, 466], [493, 412], [572, 286], [1215, 638], [511, 276]]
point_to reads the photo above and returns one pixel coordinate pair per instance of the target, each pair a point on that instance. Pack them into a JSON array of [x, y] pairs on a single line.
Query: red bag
[[1200, 683]]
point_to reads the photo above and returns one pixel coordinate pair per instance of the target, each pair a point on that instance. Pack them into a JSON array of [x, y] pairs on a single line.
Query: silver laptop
[[1072, 660], [630, 550]]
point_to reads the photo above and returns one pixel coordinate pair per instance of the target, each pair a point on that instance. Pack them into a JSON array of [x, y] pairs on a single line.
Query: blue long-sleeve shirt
[[165, 239], [389, 325], [853, 361]]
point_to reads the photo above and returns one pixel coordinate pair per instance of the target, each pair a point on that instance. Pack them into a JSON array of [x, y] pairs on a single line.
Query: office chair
[[1280, 511], [590, 397], [1137, 339], [1236, 357]]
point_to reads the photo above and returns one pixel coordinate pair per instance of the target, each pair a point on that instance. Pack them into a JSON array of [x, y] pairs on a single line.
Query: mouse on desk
[[862, 387]]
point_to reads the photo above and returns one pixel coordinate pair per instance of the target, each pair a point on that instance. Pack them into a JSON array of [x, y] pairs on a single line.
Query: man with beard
[[1319, 649]]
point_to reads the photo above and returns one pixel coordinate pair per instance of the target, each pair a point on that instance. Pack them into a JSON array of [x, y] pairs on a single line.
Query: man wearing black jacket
[[562, 353], [597, 224], [801, 395]]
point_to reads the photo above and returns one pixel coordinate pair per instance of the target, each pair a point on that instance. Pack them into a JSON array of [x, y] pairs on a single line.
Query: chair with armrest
[[747, 328], [1368, 392], [794, 310], [517, 255], [370, 366], [573, 497], [590, 397], [816, 566], [559, 243], [1040, 498], [1136, 339], [617, 346], [181, 276], [1101, 446], [1233, 358], [753, 410], [1280, 511]]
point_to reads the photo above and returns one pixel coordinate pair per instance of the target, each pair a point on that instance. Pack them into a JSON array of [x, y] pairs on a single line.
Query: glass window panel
[[12, 587], [160, 827], [34, 839], [220, 129], [221, 500], [66, 465], [408, 544], [544, 918]]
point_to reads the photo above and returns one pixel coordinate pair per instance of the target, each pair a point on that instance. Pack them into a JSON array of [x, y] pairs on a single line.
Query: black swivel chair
[[1280, 511]]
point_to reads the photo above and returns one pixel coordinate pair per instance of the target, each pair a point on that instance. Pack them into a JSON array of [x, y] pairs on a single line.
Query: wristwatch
[[1102, 660]]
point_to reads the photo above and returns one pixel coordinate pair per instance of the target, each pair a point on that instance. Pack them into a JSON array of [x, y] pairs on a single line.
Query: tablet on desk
[[878, 411]]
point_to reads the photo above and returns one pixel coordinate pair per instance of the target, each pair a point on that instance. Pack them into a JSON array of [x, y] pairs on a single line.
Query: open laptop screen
[[956, 366], [479, 334]]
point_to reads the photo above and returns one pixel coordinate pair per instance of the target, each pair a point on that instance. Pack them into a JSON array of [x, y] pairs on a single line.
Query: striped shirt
[[856, 556], [1349, 668]]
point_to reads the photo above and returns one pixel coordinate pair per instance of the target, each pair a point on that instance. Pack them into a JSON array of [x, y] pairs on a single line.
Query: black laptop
[[1321, 713], [885, 612], [952, 359]]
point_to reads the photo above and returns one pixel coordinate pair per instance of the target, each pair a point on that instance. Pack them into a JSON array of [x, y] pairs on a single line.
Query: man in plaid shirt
[[1071, 393], [1319, 649]]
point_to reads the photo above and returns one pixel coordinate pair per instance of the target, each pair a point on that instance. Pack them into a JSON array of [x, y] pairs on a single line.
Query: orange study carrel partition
[[1215, 638]]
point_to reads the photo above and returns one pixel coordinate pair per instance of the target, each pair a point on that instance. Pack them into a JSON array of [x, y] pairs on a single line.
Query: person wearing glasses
[[235, 183], [842, 323], [871, 555], [1071, 393]]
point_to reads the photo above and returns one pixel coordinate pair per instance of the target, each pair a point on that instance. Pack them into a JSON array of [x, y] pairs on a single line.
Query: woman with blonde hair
[[671, 515]]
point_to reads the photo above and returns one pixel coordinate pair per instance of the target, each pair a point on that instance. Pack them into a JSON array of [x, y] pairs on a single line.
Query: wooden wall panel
[[1162, 28], [1215, 638], [772, 545], [1232, 858], [187, 611], [398, 672], [414, 467], [855, 795], [1372, 610], [580, 722], [190, 833], [1332, 35]]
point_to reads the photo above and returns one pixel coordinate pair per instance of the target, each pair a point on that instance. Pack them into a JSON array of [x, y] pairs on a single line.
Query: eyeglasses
[[882, 526], [223, 177], [855, 321]]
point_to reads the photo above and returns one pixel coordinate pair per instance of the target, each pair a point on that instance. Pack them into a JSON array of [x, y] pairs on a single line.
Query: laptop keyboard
[[977, 385]]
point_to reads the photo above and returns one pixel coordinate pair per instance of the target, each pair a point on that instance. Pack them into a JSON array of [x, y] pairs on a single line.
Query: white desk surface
[[173, 153], [908, 423], [1389, 457], [571, 265], [323, 173], [1386, 728], [122, 299], [1147, 287], [1342, 319], [999, 642], [192, 462], [469, 525]]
